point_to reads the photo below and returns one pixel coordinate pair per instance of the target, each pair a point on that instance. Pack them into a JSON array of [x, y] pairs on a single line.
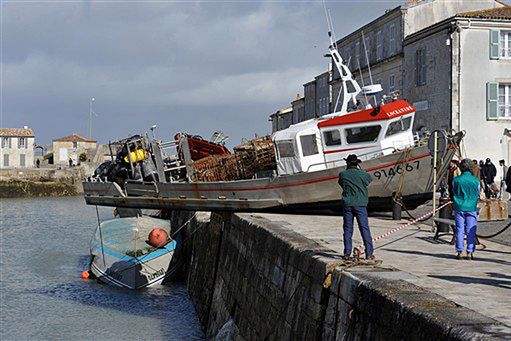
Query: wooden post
[[435, 161]]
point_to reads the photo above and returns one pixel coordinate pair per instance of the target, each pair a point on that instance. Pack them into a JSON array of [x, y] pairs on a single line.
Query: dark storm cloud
[[194, 67]]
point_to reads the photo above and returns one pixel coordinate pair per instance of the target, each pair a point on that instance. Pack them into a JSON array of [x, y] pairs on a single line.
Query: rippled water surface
[[43, 249]]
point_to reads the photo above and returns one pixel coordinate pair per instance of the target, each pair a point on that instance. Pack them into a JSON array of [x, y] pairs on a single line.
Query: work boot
[[346, 257], [459, 255], [470, 255], [370, 257]]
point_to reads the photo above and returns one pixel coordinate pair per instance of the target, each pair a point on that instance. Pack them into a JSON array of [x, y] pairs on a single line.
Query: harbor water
[[43, 250]]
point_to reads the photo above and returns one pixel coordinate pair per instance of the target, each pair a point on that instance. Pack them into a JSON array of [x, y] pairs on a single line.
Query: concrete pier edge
[[265, 281]]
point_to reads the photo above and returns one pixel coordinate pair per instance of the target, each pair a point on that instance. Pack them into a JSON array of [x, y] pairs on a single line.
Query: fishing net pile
[[254, 156]]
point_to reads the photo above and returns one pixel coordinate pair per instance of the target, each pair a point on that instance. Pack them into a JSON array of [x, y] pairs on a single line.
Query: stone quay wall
[[252, 279]]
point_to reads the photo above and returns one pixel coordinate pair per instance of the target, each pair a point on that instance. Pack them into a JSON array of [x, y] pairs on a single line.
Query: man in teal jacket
[[465, 195], [354, 182]]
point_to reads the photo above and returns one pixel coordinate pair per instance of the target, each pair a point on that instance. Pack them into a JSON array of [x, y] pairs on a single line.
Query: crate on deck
[[257, 155]]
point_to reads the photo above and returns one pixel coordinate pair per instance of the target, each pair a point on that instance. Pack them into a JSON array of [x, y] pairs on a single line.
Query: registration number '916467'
[[398, 169]]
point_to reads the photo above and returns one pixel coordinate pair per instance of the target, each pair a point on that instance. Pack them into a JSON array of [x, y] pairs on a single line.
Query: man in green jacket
[[354, 182], [465, 195]]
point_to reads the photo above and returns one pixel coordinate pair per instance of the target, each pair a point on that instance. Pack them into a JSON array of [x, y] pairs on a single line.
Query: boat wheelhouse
[[323, 143]]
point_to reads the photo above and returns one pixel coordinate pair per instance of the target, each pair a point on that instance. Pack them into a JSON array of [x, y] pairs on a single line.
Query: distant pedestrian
[[466, 193], [476, 170], [488, 174], [38, 163], [354, 182]]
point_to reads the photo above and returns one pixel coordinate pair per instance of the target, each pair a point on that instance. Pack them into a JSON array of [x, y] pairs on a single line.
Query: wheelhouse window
[[362, 134], [285, 148], [399, 126], [332, 138], [309, 145]]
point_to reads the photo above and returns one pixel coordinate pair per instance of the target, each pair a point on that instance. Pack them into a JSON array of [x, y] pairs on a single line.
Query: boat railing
[[326, 163]]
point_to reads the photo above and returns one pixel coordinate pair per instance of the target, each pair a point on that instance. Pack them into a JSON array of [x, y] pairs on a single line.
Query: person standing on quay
[[476, 170], [354, 182], [465, 194]]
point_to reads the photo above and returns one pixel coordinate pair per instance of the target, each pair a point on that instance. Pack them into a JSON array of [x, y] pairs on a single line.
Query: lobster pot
[[257, 155], [217, 168], [249, 158]]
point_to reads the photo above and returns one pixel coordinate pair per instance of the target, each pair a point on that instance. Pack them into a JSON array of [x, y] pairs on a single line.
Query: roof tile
[[74, 138], [16, 132], [494, 13]]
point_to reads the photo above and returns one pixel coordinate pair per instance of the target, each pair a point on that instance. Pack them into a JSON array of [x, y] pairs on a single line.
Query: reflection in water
[[44, 248]]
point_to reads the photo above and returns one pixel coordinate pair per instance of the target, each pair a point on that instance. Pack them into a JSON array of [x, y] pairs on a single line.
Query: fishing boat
[[121, 255], [307, 158]]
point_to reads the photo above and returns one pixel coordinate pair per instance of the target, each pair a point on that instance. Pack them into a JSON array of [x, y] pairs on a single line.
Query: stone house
[[70, 147], [461, 79], [379, 46], [17, 147]]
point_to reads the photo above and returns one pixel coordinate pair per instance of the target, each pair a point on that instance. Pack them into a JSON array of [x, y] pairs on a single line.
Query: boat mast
[[350, 88]]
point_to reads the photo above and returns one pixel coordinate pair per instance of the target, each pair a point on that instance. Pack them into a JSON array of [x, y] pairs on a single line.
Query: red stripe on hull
[[301, 183]]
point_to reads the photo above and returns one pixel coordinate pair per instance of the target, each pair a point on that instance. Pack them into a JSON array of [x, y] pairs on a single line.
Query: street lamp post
[[91, 112]]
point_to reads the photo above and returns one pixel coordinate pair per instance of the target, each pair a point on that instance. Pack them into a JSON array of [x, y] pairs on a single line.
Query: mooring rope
[[358, 250]]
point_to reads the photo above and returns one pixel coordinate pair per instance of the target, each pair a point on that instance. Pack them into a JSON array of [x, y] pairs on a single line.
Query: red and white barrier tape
[[358, 250]]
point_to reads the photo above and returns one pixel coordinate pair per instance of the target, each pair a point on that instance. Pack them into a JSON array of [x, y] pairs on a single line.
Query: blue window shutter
[[494, 44], [492, 96]]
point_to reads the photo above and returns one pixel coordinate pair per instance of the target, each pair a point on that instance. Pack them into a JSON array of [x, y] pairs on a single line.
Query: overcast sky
[[185, 66]]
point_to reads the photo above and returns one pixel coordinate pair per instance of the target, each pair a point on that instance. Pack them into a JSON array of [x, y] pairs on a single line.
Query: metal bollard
[[396, 207]]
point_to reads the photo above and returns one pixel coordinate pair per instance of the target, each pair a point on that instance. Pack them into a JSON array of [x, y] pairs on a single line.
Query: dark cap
[[352, 158]]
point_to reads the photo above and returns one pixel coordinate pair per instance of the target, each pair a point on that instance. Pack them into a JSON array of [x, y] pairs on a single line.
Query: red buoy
[[158, 237], [85, 274]]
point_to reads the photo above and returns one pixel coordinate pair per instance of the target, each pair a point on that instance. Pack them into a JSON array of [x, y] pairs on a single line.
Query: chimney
[[298, 96]]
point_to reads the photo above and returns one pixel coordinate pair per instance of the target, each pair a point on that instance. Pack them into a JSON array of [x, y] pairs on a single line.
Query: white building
[[461, 80], [17, 147]]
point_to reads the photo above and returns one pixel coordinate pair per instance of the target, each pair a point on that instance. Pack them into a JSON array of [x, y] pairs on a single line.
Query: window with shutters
[[420, 67], [504, 101], [392, 83], [392, 43], [498, 101], [505, 45], [379, 45], [357, 55]]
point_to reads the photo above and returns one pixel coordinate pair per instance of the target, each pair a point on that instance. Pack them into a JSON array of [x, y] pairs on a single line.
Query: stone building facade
[[71, 147], [379, 46], [17, 147], [462, 80]]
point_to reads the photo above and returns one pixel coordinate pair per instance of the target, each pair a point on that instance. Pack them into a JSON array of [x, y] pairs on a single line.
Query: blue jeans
[[360, 212], [466, 224]]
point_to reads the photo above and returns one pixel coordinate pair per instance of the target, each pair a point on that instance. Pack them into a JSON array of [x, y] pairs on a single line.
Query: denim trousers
[[359, 212], [466, 224]]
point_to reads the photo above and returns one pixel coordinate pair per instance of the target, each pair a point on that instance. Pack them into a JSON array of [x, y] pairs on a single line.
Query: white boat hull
[[408, 172]]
